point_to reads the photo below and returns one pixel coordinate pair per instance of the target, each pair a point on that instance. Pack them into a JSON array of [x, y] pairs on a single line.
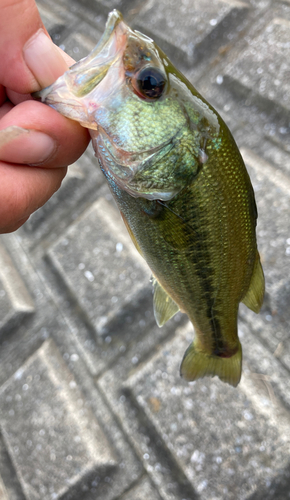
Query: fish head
[[149, 129]]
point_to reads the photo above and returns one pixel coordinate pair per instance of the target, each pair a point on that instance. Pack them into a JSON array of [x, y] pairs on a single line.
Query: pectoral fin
[[131, 234], [164, 306], [255, 294]]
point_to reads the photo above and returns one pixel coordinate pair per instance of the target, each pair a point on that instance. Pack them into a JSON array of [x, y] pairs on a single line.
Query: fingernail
[[19, 145], [43, 59]]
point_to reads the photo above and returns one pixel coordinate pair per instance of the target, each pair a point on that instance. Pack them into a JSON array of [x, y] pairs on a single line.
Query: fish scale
[[180, 184]]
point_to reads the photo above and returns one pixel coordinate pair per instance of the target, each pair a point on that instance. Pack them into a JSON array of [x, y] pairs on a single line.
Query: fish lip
[[68, 93], [114, 18], [104, 52]]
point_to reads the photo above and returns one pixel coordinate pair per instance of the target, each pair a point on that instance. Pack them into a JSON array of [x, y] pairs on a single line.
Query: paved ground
[[92, 406]]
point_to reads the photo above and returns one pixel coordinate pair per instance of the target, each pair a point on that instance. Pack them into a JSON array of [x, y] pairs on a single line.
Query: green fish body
[[181, 187]]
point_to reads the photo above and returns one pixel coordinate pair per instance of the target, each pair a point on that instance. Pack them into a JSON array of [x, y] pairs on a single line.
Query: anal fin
[[164, 306], [254, 296]]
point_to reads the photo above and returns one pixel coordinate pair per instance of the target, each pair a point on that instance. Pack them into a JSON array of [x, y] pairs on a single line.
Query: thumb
[[29, 59]]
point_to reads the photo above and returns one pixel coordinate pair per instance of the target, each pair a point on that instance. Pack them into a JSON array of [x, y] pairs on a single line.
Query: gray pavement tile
[[80, 42], [94, 269], [16, 302], [11, 486], [262, 68], [106, 6], [3, 491], [188, 31], [259, 118], [78, 188], [57, 19], [53, 22], [272, 189], [59, 442], [143, 491], [83, 259], [210, 431], [72, 182], [214, 432], [54, 440]]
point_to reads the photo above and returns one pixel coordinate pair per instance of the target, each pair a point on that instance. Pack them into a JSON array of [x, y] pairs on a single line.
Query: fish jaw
[[79, 92]]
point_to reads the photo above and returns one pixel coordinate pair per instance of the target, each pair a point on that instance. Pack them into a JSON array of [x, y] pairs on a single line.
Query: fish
[[180, 184]]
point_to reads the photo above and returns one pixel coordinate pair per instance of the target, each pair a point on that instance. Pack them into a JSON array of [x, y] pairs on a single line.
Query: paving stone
[[53, 22], [258, 122], [130, 325], [70, 184], [215, 433], [262, 67], [229, 428], [279, 136], [58, 410], [60, 441], [143, 491], [188, 31], [56, 20], [106, 6], [167, 477], [3, 491], [78, 188], [125, 331], [27, 333], [83, 260], [16, 301], [80, 43], [10, 481]]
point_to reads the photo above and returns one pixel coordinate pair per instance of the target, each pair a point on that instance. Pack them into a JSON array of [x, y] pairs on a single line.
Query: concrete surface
[[91, 402]]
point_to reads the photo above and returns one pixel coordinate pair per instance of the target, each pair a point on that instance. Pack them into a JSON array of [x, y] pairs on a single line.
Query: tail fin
[[198, 364]]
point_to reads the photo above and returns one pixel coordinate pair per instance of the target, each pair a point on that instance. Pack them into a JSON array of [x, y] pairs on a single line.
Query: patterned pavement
[[91, 402]]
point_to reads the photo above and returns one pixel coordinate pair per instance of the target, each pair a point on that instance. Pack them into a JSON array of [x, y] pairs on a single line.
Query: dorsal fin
[[164, 306], [254, 296]]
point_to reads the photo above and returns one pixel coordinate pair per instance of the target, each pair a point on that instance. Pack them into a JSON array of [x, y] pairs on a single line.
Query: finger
[[16, 97], [29, 59], [45, 138], [23, 190]]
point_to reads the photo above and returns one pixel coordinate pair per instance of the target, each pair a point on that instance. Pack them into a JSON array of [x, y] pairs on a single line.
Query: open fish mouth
[[68, 94]]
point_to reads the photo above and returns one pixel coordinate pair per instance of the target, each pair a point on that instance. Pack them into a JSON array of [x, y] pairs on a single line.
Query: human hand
[[36, 142]]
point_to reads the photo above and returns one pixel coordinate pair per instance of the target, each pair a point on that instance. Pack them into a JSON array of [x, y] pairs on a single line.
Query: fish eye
[[149, 83]]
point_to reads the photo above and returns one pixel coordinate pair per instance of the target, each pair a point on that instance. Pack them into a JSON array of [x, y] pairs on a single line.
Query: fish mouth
[[68, 93]]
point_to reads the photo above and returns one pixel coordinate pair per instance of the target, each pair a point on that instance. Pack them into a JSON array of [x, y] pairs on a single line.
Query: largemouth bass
[[180, 184]]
